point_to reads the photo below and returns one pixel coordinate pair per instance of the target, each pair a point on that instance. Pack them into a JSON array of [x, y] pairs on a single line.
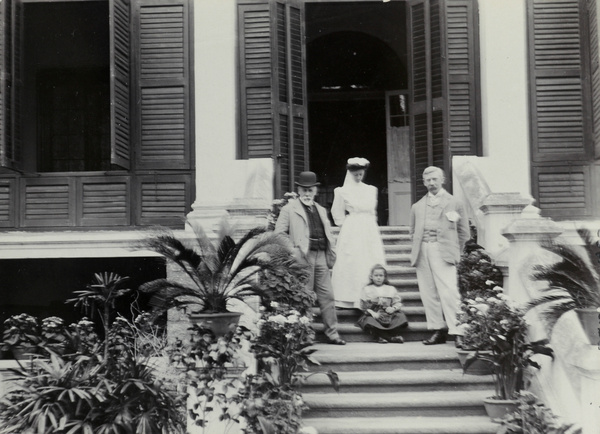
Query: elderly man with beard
[[309, 229]]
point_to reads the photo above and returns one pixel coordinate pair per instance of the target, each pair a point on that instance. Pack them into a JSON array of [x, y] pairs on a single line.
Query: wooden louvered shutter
[[560, 108], [292, 58], [10, 83], [161, 31], [443, 47], [120, 22], [462, 75], [428, 135], [272, 87], [592, 14]]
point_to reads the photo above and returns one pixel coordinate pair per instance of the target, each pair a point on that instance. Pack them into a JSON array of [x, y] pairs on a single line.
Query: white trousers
[[438, 286]]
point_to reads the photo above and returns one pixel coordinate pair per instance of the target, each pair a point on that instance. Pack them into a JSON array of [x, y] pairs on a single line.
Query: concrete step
[[401, 271], [424, 404], [397, 258], [412, 312], [371, 356], [404, 425], [400, 380], [350, 332], [402, 283]]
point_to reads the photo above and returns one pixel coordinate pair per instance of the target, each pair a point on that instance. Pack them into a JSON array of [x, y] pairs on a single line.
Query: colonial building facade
[[116, 115]]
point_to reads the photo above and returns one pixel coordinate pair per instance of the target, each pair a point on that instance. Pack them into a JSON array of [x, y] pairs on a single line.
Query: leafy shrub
[[533, 417], [504, 327], [86, 390], [476, 273]]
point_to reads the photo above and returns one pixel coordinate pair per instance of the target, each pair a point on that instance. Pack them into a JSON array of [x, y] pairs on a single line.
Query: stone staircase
[[394, 388]]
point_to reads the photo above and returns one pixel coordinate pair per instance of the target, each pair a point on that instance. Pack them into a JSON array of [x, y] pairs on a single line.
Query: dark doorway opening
[[356, 51]]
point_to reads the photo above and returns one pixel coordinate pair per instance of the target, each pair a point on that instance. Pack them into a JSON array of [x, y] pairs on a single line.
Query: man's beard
[[307, 201]]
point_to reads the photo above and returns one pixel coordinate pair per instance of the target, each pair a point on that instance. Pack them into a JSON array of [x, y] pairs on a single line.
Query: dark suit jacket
[[293, 221]]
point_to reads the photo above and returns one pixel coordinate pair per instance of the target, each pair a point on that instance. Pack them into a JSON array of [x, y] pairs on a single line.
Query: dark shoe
[[381, 341], [458, 341], [396, 340], [438, 337], [336, 341]]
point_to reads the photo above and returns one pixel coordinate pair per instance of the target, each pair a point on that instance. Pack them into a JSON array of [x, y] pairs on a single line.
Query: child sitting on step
[[381, 305]]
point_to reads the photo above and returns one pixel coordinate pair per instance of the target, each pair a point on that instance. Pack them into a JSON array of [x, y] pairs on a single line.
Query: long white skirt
[[359, 248]]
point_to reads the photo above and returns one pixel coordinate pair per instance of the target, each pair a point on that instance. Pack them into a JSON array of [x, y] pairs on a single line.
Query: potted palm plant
[[215, 274], [573, 283]]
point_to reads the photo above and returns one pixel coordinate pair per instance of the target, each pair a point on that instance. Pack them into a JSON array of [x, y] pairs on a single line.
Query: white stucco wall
[[221, 179], [504, 96]]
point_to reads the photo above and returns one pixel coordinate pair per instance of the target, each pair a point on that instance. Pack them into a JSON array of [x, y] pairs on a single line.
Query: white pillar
[[223, 182], [504, 95]]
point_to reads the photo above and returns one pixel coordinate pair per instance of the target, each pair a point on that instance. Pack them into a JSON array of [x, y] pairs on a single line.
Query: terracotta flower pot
[[478, 367], [498, 408], [220, 323], [590, 321]]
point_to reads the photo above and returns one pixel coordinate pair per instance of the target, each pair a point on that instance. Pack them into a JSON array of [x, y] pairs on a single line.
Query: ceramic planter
[[498, 408], [478, 367], [590, 321], [220, 323]]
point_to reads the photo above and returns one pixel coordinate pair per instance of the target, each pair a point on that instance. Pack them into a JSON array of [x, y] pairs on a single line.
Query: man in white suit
[[439, 229], [308, 227]]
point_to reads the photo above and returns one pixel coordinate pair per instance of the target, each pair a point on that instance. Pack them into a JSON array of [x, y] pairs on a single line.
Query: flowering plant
[[282, 343], [477, 275], [271, 400], [503, 325], [276, 206], [481, 316], [21, 329]]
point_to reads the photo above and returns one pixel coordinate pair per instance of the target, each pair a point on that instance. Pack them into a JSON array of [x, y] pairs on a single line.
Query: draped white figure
[[359, 246]]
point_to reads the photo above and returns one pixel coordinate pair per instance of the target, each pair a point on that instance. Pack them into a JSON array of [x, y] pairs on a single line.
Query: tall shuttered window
[[103, 88], [273, 86], [563, 60], [444, 60]]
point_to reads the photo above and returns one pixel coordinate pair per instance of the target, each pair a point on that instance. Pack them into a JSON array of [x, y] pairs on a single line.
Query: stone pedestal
[[525, 234], [499, 210]]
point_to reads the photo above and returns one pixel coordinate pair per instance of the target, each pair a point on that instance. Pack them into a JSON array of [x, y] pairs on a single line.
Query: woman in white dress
[[359, 245]]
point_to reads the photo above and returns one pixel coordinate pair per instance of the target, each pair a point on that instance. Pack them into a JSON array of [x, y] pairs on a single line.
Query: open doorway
[[356, 52]]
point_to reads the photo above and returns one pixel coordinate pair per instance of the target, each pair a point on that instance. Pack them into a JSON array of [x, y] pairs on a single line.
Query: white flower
[[304, 320], [274, 304], [498, 289], [292, 319], [479, 299], [279, 319], [453, 216], [482, 308], [489, 282]]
